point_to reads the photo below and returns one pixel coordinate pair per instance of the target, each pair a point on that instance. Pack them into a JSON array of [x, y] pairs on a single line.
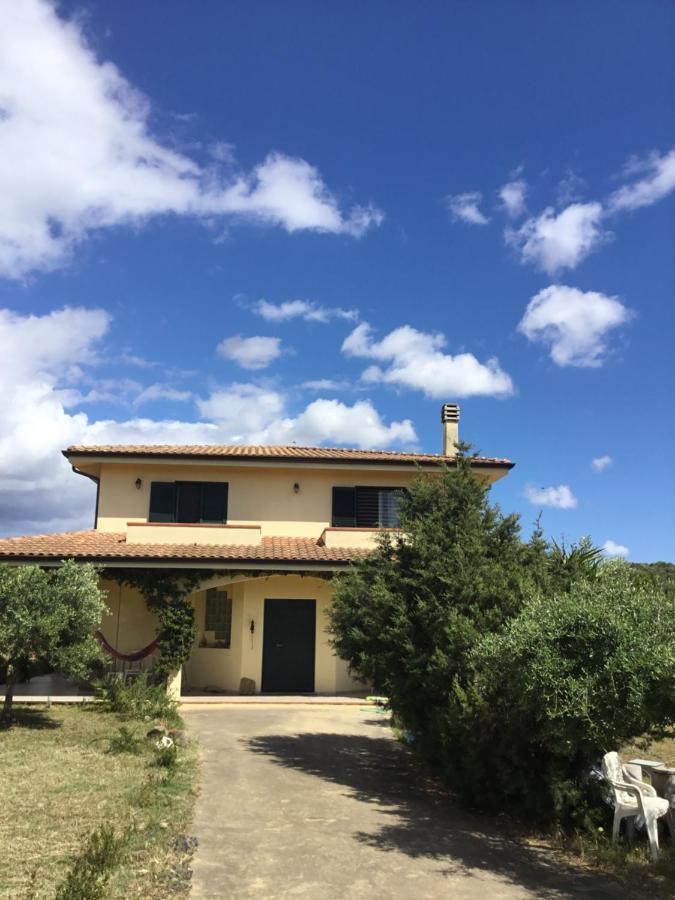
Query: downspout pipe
[[97, 482]]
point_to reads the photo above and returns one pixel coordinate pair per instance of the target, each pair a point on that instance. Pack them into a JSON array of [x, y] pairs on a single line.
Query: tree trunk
[[6, 717]]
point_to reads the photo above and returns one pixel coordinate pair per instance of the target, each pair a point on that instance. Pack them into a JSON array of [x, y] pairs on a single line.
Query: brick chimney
[[450, 420]]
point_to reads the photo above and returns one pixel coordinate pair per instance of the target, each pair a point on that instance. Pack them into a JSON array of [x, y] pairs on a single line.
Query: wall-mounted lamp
[[138, 483], [296, 488]]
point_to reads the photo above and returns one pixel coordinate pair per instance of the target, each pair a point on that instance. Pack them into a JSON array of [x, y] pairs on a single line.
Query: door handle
[[278, 645]]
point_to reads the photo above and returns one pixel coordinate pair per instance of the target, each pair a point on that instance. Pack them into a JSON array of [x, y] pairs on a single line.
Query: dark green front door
[[288, 646]]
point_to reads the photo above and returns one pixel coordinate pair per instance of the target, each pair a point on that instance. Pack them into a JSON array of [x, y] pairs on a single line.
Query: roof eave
[[285, 459], [154, 562]]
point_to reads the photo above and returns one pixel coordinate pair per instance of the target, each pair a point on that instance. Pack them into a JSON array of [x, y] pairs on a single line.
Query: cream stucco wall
[[129, 626], [222, 669], [171, 533], [217, 668], [258, 495]]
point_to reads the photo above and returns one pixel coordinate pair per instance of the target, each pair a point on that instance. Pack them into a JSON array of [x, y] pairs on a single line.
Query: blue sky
[[317, 222]]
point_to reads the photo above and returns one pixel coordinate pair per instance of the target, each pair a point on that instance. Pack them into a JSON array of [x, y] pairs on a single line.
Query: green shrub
[[409, 615], [570, 678], [510, 666], [138, 699], [406, 617], [89, 875], [124, 740]]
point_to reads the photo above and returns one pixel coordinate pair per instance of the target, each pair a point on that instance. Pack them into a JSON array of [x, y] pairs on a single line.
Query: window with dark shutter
[[188, 502], [162, 502], [214, 502], [344, 507], [366, 507], [189, 507]]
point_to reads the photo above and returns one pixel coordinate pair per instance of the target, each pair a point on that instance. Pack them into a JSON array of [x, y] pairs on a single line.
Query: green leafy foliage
[[138, 698], [48, 614], [511, 666], [407, 617], [124, 740], [571, 677], [661, 574], [88, 878]]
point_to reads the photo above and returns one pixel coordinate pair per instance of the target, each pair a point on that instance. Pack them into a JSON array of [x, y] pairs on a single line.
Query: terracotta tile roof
[[289, 453], [103, 546]]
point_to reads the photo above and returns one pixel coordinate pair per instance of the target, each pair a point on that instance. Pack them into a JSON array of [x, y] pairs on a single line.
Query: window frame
[[222, 643], [161, 518], [357, 520]]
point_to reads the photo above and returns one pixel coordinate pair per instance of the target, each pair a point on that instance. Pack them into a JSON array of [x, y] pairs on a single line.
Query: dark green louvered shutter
[[162, 501], [344, 507]]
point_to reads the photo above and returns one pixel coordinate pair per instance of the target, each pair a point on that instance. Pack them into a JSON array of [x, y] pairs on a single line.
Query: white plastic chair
[[633, 798]]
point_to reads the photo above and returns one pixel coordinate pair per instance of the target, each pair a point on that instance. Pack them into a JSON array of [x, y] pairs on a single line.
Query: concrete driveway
[[321, 802]]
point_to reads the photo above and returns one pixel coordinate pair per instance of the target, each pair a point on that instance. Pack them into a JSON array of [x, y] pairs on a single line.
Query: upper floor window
[[188, 501], [366, 507]]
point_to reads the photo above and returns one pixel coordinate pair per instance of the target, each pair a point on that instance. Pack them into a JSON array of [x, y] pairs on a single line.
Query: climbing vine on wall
[[166, 594]]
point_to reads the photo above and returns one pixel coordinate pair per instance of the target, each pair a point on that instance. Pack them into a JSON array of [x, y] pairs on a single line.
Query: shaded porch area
[[254, 634]]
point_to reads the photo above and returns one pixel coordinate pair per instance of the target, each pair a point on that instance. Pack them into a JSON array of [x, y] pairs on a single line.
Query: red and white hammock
[[127, 657]]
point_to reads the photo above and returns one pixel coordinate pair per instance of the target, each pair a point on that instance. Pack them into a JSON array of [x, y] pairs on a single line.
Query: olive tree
[[48, 614], [573, 676]]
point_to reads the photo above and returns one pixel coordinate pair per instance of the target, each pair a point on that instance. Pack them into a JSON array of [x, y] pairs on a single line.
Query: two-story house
[[268, 525]]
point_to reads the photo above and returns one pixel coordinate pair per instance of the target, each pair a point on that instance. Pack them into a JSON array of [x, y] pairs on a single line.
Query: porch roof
[[112, 548]]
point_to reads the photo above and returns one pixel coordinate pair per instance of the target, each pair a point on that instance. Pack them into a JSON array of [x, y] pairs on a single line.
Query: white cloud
[[42, 355], [573, 323], [415, 361], [302, 309], [243, 410], [466, 208], [512, 195], [325, 384], [118, 391], [77, 155], [45, 361], [559, 241], [657, 182], [252, 352], [254, 414], [571, 188], [161, 392], [329, 421], [560, 497], [290, 192], [611, 548], [600, 463]]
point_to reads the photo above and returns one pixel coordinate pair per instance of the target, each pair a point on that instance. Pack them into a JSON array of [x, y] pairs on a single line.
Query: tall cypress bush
[[408, 616]]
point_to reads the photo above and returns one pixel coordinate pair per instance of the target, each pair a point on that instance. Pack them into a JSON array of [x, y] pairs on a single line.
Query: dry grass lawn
[[661, 750], [58, 782]]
